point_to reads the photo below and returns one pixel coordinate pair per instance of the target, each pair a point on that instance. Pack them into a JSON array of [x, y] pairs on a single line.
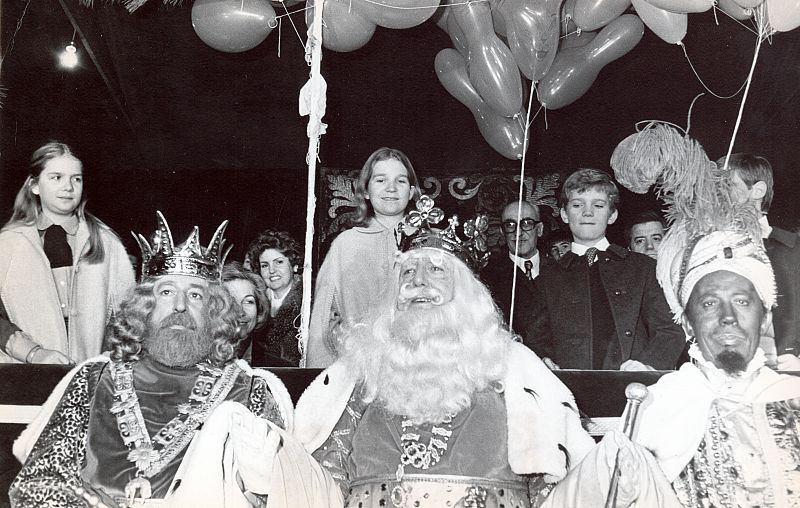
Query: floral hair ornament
[[416, 232]]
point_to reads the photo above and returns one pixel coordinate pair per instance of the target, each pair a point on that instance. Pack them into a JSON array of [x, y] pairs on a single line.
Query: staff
[[635, 393]]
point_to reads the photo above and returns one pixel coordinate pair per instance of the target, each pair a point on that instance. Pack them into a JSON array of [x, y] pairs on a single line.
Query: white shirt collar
[[580, 249], [520, 262], [766, 229]]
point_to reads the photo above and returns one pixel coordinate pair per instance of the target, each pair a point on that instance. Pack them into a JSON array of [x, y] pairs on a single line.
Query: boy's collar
[[580, 249]]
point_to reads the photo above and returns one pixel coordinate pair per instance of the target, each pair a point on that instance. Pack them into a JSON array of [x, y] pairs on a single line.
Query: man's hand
[[634, 365], [788, 361], [631, 463], [254, 449], [550, 364]]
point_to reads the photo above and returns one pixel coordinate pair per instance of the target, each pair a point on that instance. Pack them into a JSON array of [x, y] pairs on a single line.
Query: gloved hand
[[255, 444]]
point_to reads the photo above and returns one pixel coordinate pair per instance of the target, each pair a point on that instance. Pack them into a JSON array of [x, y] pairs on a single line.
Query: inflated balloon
[[498, 21], [576, 40], [395, 13], [457, 37], [683, 6], [575, 69], [749, 4], [594, 14], [532, 29], [492, 68], [343, 29], [735, 10], [505, 134], [670, 26], [233, 26], [784, 15]]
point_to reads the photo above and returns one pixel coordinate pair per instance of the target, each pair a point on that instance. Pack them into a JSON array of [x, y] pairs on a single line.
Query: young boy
[[600, 305]]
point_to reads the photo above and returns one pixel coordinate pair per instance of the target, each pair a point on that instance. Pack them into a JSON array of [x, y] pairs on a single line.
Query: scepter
[[635, 393]]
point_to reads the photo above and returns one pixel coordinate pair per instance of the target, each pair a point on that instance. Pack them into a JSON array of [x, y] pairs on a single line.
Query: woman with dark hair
[[277, 257], [360, 262], [62, 271]]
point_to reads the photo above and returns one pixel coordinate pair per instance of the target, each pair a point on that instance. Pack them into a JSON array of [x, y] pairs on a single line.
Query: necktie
[[591, 255], [528, 268], [56, 248]]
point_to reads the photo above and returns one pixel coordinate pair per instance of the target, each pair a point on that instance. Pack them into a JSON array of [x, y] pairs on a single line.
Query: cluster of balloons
[[559, 45]]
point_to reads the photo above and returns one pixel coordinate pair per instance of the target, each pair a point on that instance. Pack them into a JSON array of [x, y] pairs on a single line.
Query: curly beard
[[425, 364], [177, 347]]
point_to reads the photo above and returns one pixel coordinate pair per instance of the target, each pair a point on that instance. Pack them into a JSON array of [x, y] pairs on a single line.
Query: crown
[[188, 258], [470, 248]]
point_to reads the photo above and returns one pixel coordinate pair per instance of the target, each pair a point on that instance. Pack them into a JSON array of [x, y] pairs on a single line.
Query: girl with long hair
[[360, 263], [62, 271]]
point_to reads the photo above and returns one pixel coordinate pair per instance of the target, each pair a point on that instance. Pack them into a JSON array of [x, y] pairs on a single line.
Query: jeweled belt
[[437, 491]]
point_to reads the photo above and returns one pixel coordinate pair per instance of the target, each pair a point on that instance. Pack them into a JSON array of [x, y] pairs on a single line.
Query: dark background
[[204, 135]]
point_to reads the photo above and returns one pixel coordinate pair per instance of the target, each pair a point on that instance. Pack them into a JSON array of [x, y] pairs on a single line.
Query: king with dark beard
[[169, 419]]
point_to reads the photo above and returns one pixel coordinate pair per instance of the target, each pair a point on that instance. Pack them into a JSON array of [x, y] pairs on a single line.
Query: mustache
[[409, 292], [183, 319]]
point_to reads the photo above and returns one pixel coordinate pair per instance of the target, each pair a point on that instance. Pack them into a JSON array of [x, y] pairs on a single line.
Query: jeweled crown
[[188, 258], [415, 232]]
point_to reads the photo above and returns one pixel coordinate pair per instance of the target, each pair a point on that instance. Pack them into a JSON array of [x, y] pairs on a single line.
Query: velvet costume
[[80, 441], [525, 424], [643, 330]]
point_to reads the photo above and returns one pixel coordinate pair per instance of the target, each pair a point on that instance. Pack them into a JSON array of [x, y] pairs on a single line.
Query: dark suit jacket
[[783, 250], [497, 276], [561, 324]]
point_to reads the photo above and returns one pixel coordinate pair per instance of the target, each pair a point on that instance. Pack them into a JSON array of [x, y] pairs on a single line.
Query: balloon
[[575, 69], [233, 26], [749, 4], [735, 10], [594, 14], [492, 69], [343, 29], [784, 15], [532, 28], [395, 13], [505, 134], [448, 23], [683, 6], [670, 26], [576, 40]]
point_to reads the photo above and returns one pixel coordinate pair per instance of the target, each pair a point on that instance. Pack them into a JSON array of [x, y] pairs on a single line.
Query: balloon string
[[424, 8], [519, 204], [299, 38], [686, 54], [734, 19], [760, 13]]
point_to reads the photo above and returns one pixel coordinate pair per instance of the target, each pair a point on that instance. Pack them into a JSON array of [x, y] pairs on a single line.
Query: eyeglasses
[[527, 224]]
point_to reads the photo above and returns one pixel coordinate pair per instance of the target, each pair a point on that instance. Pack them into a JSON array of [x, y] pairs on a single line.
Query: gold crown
[[471, 249], [188, 258]]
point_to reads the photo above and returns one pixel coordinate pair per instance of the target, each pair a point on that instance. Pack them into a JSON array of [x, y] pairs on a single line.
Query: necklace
[[420, 455], [152, 455]]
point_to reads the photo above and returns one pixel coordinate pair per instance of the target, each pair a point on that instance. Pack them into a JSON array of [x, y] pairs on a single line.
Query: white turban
[[680, 269]]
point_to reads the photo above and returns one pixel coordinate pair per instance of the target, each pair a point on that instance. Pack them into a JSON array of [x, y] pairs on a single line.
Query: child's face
[[60, 186], [389, 188], [588, 214]]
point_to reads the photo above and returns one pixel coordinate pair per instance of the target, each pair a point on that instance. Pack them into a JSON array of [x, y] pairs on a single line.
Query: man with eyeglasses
[[522, 254]]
